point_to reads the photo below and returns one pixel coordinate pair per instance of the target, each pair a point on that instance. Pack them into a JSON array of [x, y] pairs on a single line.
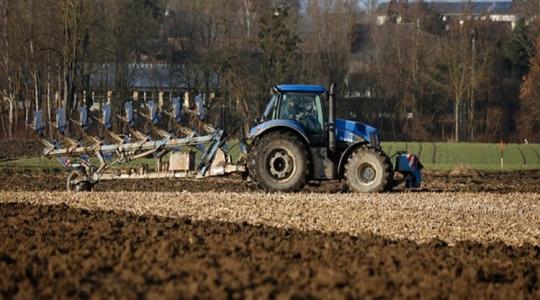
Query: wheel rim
[[73, 182], [367, 173], [280, 165]]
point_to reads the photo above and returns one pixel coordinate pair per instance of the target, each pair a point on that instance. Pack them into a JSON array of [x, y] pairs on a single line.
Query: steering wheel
[[306, 113], [309, 120]]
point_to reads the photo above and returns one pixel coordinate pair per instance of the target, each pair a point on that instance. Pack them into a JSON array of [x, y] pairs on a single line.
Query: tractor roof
[[301, 88]]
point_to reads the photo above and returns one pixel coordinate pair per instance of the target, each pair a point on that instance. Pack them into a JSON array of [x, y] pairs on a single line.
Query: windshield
[[305, 108]]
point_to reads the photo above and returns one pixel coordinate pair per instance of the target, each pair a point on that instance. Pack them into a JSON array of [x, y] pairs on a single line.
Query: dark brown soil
[[12, 149], [37, 181], [498, 182], [61, 252], [523, 181]]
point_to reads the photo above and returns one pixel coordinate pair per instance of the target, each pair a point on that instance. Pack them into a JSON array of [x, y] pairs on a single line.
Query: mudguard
[[277, 124], [345, 155]]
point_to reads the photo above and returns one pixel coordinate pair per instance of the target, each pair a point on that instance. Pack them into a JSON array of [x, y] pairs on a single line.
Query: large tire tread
[[255, 151], [387, 181]]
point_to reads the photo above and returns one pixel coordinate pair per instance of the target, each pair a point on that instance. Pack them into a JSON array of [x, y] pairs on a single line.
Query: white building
[[497, 11]]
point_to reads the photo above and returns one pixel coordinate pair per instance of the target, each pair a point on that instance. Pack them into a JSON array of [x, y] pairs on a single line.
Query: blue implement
[[409, 165]]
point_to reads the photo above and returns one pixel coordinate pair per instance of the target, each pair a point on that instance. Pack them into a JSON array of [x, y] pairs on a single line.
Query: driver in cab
[[301, 109]]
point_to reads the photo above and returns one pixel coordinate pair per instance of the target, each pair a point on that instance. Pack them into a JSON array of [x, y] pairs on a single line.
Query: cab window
[[306, 108]]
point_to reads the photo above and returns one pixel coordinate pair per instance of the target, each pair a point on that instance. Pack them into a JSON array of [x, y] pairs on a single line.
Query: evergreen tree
[[278, 43]]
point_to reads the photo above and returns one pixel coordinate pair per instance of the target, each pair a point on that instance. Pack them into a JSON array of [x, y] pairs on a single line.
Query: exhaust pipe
[[332, 118]]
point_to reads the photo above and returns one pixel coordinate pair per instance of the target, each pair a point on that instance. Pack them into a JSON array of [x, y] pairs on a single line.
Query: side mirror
[[324, 96]]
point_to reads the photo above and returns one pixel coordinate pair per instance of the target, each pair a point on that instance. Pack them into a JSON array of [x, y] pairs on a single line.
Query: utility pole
[[6, 64], [5, 31]]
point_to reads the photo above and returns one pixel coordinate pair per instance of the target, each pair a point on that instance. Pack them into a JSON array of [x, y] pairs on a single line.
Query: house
[[495, 11], [152, 77]]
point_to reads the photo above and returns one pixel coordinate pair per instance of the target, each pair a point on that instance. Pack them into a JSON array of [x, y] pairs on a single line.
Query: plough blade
[[84, 121], [37, 125]]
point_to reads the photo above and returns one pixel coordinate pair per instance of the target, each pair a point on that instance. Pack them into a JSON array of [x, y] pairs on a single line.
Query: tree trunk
[[11, 108], [49, 109], [247, 11], [6, 66], [3, 125], [36, 92], [27, 104], [16, 97], [49, 106], [65, 90], [456, 120], [75, 101], [471, 118]]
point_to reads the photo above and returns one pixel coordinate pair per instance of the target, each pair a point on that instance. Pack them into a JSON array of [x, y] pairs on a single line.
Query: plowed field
[[463, 236], [63, 252]]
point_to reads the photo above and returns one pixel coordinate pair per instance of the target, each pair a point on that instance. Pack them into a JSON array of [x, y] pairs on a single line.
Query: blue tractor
[[299, 140]]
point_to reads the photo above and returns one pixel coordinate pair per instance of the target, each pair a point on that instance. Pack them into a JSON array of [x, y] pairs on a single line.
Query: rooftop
[[301, 88], [460, 7]]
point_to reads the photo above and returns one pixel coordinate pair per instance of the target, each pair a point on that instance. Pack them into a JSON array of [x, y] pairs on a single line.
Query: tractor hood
[[352, 132]]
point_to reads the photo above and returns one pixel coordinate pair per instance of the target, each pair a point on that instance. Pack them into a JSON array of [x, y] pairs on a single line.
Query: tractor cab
[[302, 104]]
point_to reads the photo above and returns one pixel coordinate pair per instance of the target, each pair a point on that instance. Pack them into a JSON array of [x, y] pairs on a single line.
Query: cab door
[[307, 109]]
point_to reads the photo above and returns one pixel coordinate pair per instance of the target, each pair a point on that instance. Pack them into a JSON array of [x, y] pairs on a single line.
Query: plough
[[91, 160]]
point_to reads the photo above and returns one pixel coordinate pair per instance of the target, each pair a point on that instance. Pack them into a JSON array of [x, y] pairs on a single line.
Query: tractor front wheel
[[278, 162], [368, 170]]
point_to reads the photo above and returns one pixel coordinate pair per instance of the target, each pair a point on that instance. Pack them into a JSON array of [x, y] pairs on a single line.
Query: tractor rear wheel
[[279, 162], [368, 170]]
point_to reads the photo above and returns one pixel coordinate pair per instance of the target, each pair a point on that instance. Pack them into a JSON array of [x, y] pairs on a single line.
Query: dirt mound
[[11, 149], [56, 251], [463, 170]]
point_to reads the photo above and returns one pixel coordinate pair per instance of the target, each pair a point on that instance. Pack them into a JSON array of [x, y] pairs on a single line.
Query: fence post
[[501, 154], [10, 116], [49, 109]]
